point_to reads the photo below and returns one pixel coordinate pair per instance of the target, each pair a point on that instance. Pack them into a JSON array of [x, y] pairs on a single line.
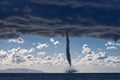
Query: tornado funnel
[[68, 56]]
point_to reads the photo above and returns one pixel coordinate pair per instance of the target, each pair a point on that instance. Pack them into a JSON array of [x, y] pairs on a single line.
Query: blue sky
[[76, 44]]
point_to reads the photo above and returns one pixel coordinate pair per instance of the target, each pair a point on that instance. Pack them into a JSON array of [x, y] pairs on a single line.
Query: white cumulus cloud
[[16, 40], [100, 58], [31, 50], [112, 45], [52, 40], [18, 55], [42, 46], [57, 59], [86, 49], [18, 51], [118, 44], [3, 54], [41, 53]]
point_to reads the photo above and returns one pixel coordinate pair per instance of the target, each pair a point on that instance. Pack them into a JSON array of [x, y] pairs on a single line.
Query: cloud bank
[[89, 62], [98, 19]]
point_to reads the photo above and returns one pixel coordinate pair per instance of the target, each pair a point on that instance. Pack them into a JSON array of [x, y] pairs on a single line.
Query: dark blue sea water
[[62, 76]]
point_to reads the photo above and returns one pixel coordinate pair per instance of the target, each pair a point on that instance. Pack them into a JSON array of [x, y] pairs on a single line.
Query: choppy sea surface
[[59, 76]]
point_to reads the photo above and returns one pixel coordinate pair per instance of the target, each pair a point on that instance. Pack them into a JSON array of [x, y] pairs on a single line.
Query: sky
[[32, 35], [46, 53]]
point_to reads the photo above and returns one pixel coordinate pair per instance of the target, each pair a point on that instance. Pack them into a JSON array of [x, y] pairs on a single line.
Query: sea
[[59, 76]]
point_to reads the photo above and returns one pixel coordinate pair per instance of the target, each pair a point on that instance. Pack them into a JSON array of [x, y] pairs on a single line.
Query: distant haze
[[19, 70]]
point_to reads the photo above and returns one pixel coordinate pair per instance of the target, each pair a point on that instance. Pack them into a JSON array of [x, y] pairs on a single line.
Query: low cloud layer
[[98, 19], [90, 61]]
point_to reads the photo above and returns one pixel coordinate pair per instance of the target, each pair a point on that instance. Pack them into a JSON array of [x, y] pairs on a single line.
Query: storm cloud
[[80, 18]]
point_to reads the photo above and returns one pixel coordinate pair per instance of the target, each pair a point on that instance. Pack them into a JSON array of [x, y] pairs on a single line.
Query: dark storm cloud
[[90, 18], [80, 3]]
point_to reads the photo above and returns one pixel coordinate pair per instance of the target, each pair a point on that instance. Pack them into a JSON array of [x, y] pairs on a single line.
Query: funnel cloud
[[68, 48]]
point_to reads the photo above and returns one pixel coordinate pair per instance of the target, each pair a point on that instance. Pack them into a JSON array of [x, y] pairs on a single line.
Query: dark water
[[63, 76]]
